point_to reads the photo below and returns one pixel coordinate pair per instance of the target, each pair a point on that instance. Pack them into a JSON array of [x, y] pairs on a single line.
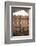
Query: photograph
[[20, 21]]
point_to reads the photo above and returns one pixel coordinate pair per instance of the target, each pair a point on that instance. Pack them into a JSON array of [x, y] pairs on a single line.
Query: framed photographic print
[[19, 22]]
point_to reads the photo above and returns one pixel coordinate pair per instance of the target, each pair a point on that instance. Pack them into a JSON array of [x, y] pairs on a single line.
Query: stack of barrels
[[20, 25]]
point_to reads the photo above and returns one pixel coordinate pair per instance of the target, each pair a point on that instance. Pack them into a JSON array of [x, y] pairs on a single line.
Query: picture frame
[[12, 7]]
